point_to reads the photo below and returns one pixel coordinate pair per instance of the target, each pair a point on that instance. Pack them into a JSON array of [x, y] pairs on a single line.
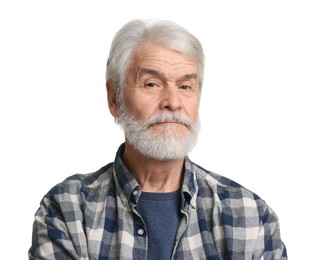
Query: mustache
[[165, 117]]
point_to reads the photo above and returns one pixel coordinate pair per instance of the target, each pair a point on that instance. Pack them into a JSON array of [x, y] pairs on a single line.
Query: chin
[[176, 131]]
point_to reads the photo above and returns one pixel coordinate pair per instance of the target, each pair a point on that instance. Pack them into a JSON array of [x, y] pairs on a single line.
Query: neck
[[153, 175]]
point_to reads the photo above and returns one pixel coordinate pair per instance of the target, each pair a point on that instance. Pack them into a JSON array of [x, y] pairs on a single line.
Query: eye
[[184, 87], [151, 85]]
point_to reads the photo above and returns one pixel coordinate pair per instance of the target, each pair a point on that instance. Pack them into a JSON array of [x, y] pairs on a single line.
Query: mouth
[[171, 122], [166, 119]]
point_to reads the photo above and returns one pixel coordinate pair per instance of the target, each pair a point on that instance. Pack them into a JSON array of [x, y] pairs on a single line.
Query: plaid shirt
[[93, 216]]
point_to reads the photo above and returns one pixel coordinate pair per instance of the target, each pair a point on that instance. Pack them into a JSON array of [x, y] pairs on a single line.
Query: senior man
[[153, 202]]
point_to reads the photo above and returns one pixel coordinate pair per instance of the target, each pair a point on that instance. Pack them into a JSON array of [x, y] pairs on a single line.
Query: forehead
[[150, 53]]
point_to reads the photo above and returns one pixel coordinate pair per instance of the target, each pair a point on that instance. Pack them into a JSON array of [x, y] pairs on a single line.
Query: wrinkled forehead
[[148, 46], [150, 56]]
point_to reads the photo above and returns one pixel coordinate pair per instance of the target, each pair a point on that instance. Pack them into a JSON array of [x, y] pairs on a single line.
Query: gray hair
[[134, 33]]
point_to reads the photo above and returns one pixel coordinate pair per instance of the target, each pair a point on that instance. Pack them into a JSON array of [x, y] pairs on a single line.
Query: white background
[[260, 105]]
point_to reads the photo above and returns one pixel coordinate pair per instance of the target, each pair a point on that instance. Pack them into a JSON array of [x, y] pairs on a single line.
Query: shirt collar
[[189, 184], [129, 188], [124, 180]]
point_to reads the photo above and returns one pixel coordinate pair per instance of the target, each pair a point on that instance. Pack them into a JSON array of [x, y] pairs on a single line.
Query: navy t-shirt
[[161, 214]]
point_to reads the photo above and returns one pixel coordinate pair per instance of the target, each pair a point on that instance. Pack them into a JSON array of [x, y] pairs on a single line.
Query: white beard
[[170, 145]]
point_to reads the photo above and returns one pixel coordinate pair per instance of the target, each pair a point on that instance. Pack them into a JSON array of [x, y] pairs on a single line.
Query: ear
[[112, 99]]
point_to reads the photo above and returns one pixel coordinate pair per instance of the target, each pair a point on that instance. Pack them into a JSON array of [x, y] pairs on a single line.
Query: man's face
[[159, 113], [159, 80]]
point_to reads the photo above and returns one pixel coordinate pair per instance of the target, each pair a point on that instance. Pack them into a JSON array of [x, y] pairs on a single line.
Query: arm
[[269, 245], [57, 229]]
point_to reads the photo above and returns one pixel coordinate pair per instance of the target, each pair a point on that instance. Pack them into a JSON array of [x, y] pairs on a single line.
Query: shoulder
[[81, 184], [227, 192], [213, 179]]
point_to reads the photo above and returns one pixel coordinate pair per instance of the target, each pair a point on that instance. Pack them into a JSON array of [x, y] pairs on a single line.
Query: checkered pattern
[[93, 216]]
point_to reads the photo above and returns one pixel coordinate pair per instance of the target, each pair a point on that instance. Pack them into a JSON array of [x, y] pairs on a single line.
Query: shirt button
[[140, 231], [135, 193]]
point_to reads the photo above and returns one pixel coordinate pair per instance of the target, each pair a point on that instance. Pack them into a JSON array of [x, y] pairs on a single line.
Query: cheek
[[192, 110], [140, 107]]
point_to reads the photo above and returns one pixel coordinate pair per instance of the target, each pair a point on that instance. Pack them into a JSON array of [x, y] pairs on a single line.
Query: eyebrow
[[191, 76], [144, 71]]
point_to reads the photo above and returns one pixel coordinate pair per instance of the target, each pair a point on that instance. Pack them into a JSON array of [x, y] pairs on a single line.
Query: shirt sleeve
[[269, 244], [57, 229]]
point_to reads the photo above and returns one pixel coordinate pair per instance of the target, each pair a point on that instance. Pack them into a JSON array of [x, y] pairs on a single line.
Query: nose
[[170, 99]]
